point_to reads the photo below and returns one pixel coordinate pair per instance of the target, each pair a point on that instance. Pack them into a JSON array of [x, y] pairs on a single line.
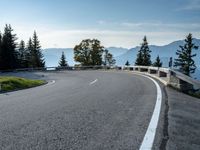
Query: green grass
[[16, 83]]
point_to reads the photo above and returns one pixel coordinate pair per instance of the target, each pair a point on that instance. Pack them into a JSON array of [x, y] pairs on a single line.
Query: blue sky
[[122, 23]]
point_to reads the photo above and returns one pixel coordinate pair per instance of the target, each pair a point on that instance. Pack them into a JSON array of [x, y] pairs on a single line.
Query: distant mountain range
[[165, 52], [52, 55]]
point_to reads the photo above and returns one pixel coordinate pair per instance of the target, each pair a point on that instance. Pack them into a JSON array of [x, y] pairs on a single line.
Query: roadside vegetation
[[185, 61], [16, 83], [14, 55], [63, 62], [90, 52]]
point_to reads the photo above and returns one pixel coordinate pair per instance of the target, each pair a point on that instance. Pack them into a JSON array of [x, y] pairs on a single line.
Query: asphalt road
[[86, 110]]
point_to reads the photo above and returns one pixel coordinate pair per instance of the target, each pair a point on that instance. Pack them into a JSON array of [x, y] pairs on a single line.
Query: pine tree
[[21, 54], [0, 49], [9, 53], [185, 60], [38, 60], [0, 38], [30, 54], [157, 63], [144, 57], [127, 63], [146, 53], [11, 57], [63, 62], [139, 60]]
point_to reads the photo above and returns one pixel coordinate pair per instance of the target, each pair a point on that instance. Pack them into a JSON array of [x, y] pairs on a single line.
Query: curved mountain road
[[82, 110]]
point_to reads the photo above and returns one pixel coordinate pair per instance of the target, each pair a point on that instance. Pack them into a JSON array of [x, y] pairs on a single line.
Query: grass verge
[[16, 83]]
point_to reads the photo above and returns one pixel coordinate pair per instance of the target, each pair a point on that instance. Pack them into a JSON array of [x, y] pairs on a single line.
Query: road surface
[[82, 110]]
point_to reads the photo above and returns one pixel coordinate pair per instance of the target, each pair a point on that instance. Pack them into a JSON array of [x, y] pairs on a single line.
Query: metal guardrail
[[169, 71], [64, 68], [185, 77]]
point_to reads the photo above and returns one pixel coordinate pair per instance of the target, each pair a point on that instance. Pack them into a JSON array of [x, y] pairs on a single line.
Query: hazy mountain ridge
[[52, 55], [165, 52]]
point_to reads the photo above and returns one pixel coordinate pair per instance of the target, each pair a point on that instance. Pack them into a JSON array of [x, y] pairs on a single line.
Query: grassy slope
[[16, 83]]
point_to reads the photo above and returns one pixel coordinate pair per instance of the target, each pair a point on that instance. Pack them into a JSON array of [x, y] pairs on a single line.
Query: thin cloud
[[109, 38], [155, 26], [191, 5], [126, 34], [164, 26], [101, 22]]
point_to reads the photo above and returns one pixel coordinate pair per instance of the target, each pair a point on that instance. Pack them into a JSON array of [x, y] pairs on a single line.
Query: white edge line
[[93, 81], [148, 140]]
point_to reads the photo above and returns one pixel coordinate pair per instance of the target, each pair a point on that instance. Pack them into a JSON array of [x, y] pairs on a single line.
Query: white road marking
[[148, 140], [93, 81], [51, 82]]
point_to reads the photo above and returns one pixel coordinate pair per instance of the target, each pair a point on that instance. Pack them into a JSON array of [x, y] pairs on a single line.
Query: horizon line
[[120, 46]]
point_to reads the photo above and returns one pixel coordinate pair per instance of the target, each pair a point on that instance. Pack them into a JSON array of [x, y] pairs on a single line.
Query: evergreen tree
[[0, 49], [89, 52], [0, 38], [157, 63], [139, 59], [185, 60], [12, 58], [38, 60], [63, 62], [9, 55], [29, 54], [170, 62], [127, 63], [144, 57], [146, 53], [21, 54]]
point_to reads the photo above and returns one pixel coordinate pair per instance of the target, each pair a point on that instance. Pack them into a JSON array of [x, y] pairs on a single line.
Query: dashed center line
[[93, 81]]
